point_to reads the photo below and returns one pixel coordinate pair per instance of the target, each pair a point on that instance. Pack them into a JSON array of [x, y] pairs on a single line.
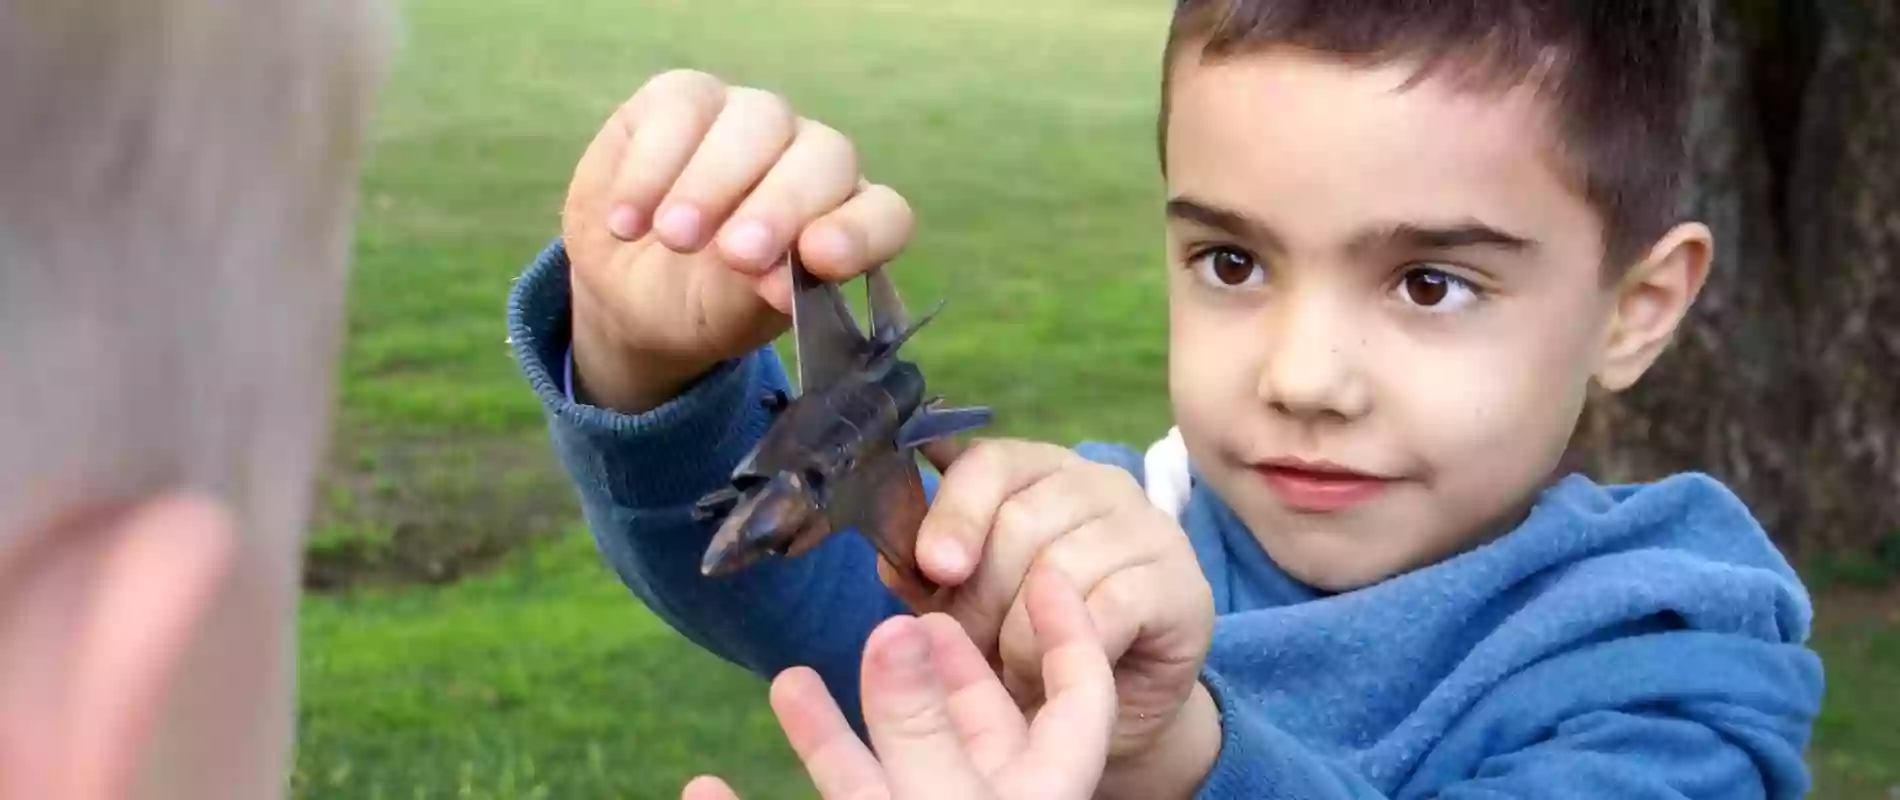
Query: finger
[[1100, 552], [1069, 739], [990, 724], [906, 711], [1021, 525], [707, 787], [1163, 624], [913, 595], [776, 287], [869, 229], [749, 137], [941, 453], [661, 126], [956, 527], [1102, 545], [817, 173], [834, 757]]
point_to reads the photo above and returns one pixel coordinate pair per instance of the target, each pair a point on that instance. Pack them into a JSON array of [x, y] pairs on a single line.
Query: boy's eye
[[1436, 290], [1227, 266]]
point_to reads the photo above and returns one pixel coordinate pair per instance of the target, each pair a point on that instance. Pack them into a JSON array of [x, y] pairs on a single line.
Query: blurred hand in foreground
[[943, 723]]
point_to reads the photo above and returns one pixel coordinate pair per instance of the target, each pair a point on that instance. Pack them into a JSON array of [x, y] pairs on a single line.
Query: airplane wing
[[884, 500], [830, 343]]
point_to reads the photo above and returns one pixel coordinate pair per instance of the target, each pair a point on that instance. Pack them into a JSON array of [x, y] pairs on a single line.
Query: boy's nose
[[1311, 369]]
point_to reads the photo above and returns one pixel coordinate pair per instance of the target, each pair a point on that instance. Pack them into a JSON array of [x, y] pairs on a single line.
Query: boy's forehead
[[1304, 135]]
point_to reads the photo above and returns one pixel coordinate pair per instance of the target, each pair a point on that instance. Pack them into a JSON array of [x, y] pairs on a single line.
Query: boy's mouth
[[1319, 487]]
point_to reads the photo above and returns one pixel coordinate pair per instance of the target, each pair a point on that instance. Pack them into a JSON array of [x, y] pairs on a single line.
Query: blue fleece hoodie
[[1624, 641]]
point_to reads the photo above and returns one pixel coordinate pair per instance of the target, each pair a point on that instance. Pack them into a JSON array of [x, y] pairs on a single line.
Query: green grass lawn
[[1022, 134]]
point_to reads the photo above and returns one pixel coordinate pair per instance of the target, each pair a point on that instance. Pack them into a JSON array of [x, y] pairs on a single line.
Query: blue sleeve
[[1677, 715], [638, 477]]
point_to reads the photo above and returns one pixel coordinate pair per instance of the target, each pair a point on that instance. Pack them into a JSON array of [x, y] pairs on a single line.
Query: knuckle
[[685, 80], [982, 457], [1106, 475], [766, 108], [677, 86], [1076, 558], [906, 215], [918, 719], [1017, 518], [833, 145], [898, 216], [889, 197], [983, 448]]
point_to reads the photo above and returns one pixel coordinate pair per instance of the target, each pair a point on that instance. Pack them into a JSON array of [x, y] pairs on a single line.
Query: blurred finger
[[906, 711], [834, 757], [871, 228], [1070, 736], [816, 174], [752, 132], [990, 724], [707, 787], [661, 126], [956, 529]]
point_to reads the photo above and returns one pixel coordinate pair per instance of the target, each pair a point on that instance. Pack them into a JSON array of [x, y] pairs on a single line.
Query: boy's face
[[1395, 282]]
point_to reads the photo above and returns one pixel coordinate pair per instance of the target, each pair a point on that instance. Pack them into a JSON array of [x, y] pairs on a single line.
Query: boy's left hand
[[1006, 506]]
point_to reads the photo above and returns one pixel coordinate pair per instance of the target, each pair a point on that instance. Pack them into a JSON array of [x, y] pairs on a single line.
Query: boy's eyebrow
[[1422, 236], [1229, 221], [1402, 235]]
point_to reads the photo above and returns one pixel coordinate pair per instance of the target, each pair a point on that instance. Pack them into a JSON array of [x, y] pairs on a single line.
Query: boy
[[175, 218], [1404, 240]]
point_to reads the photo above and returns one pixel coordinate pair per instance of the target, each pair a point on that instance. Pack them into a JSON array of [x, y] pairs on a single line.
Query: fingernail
[[749, 241], [680, 225], [624, 222], [909, 649]]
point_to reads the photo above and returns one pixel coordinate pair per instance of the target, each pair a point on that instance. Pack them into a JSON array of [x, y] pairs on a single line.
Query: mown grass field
[[1022, 135]]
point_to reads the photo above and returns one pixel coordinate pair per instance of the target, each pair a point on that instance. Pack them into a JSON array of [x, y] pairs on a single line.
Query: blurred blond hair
[[177, 190]]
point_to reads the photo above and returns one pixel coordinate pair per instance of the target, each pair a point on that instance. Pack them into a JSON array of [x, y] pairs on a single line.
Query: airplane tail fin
[[933, 422], [896, 341]]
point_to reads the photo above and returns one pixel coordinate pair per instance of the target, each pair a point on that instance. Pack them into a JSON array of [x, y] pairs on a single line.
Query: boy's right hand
[[676, 224]]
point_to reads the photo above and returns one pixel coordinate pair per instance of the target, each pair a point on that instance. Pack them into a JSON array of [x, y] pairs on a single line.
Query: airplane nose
[[763, 523]]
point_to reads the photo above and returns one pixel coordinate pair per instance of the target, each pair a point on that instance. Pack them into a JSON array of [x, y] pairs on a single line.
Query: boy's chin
[[1335, 553]]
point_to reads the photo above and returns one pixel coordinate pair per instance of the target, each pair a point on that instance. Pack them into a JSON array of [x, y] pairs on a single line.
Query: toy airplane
[[842, 455]]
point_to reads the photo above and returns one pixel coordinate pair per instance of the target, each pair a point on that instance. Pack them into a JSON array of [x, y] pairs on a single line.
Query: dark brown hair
[[1620, 75]]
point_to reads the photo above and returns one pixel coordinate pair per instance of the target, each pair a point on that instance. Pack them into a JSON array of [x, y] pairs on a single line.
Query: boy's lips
[[1319, 486]]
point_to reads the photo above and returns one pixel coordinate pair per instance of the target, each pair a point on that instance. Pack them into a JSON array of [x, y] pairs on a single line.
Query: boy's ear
[[1650, 302], [95, 621]]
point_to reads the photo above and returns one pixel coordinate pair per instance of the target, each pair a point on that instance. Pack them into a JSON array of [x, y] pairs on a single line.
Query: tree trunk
[[1782, 381], [1845, 224]]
